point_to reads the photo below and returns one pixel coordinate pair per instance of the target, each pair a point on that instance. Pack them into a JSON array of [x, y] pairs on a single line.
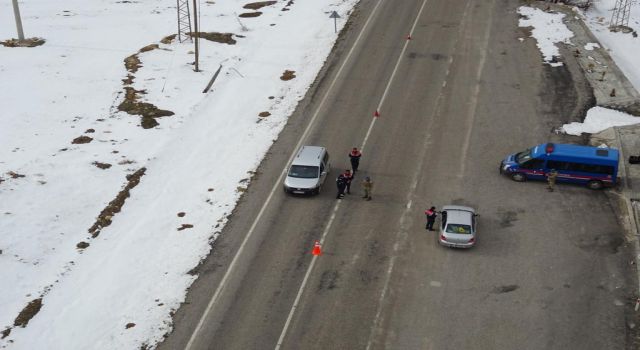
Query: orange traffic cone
[[408, 36], [317, 250], [376, 114]]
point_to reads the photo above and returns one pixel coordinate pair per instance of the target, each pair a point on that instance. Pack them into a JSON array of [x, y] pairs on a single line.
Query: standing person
[[551, 179], [348, 178], [431, 214], [367, 185], [341, 182], [354, 156]]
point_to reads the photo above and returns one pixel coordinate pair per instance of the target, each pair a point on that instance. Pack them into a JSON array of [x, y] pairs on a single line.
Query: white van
[[308, 171]]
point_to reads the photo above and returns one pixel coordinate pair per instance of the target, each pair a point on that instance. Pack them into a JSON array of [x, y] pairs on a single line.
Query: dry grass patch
[[288, 75], [82, 139], [114, 207], [222, 38], [27, 313], [31, 42], [250, 14], [258, 5]]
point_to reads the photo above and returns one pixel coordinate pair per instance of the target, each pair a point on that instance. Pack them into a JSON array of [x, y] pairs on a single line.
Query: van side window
[[580, 167], [321, 167], [325, 159], [557, 165], [533, 164]]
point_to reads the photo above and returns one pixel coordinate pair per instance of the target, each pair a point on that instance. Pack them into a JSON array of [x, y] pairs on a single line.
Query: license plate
[[298, 192]]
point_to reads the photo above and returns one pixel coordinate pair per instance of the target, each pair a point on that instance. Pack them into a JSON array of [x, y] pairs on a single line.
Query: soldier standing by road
[[431, 214], [551, 179], [367, 185], [354, 156], [341, 182], [348, 178]]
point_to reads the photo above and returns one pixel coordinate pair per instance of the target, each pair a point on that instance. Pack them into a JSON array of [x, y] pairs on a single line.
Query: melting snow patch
[[598, 119], [548, 29]]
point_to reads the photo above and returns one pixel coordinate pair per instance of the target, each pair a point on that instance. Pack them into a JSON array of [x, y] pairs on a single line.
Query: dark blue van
[[595, 167]]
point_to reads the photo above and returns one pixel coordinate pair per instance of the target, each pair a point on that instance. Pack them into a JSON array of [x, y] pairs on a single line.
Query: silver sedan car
[[458, 227]]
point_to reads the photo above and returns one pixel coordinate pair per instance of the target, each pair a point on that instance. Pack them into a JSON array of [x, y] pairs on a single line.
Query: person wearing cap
[[348, 176], [431, 214], [341, 182], [354, 157], [367, 186]]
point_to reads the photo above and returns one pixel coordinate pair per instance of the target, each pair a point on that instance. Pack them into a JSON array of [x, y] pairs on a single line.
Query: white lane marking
[[377, 320], [337, 205], [435, 284], [225, 278], [305, 279], [474, 99], [393, 74]]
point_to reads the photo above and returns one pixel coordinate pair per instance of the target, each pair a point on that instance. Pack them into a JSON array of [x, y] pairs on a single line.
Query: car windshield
[[459, 229], [524, 156], [304, 171]]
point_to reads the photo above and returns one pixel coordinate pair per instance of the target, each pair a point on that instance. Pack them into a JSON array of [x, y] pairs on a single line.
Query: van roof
[[309, 155], [577, 151]]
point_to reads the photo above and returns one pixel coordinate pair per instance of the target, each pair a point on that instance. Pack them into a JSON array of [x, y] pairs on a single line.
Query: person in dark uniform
[[354, 156], [341, 182], [431, 214], [348, 178]]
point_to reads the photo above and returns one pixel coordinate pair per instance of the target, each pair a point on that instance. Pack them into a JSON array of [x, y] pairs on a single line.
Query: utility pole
[[184, 20], [197, 33], [16, 13], [620, 16]]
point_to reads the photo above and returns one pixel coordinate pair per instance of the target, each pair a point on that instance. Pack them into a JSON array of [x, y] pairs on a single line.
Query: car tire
[[595, 185], [518, 177], [318, 190]]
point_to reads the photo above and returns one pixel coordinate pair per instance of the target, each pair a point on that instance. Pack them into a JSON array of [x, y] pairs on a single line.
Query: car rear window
[[459, 229]]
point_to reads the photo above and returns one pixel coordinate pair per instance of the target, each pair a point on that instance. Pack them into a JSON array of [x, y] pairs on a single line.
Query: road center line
[[337, 205], [276, 185]]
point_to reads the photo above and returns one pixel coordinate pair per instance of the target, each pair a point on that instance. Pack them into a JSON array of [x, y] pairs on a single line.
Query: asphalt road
[[550, 270]]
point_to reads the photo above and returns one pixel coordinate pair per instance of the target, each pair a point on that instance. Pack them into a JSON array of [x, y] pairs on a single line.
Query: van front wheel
[[519, 177], [595, 184]]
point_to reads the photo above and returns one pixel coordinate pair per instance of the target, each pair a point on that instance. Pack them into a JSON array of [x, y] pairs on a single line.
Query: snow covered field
[[548, 31], [116, 286], [119, 290]]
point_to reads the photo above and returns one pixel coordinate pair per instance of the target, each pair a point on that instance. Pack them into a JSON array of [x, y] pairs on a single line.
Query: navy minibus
[[595, 167]]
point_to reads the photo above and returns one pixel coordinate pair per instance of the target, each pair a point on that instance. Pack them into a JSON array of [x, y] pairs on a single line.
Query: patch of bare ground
[[82, 245], [148, 112], [168, 39], [250, 14], [258, 5], [5, 333], [288, 75], [129, 325], [102, 165], [14, 175], [81, 139], [222, 38], [286, 7], [264, 114], [185, 226], [149, 48], [30, 42], [132, 63], [27, 313], [114, 207], [131, 103]]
